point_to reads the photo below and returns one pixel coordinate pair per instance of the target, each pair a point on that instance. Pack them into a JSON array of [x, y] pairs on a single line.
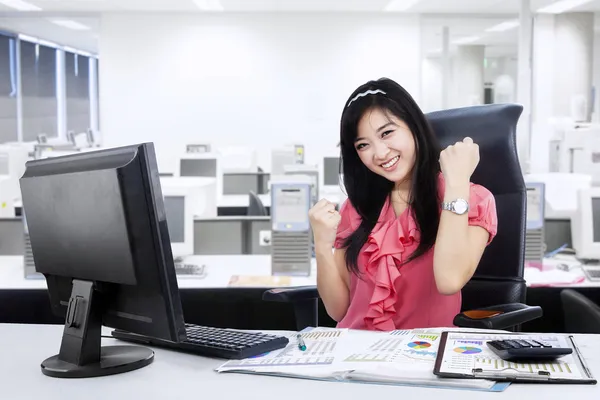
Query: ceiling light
[[562, 6], [467, 39], [504, 26], [400, 5], [67, 23], [209, 5], [20, 5]]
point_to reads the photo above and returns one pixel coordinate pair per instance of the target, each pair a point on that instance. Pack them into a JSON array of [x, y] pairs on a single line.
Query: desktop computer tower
[[291, 244]]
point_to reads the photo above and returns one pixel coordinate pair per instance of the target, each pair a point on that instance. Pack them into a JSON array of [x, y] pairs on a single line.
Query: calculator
[[526, 350]]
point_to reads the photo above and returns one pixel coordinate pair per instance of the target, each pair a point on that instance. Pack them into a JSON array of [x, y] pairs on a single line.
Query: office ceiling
[[465, 18], [416, 6]]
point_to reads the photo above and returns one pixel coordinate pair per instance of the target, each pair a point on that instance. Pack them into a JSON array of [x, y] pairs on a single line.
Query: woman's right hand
[[324, 220]]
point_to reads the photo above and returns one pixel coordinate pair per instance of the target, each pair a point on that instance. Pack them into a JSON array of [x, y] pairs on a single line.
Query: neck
[[402, 189]]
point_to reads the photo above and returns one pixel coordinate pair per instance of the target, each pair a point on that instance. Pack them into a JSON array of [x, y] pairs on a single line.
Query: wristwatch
[[458, 206]]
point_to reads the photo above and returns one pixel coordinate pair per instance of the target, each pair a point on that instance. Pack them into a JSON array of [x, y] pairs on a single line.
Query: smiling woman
[[413, 229]]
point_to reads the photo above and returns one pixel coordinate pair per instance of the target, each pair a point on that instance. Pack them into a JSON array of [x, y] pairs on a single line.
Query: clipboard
[[475, 361]]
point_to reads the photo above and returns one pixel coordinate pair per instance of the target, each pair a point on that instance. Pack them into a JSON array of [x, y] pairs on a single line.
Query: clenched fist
[[458, 161], [324, 220]]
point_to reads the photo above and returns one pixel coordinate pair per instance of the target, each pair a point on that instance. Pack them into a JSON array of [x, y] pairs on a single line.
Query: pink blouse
[[385, 297]]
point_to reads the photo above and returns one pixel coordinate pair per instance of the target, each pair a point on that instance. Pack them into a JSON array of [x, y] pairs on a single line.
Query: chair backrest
[[581, 314], [256, 206], [499, 276]]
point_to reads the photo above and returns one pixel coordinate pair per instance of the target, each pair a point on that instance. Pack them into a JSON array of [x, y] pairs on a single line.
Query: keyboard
[[592, 272], [182, 269], [214, 342]]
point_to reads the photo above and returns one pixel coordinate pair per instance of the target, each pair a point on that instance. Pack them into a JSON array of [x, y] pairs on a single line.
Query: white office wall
[[433, 78], [256, 80]]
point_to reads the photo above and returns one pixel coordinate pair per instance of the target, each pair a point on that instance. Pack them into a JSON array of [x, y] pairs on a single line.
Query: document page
[[465, 353]]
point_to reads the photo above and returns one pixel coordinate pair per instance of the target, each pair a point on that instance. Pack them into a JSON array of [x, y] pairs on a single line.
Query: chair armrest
[[292, 294], [498, 317]]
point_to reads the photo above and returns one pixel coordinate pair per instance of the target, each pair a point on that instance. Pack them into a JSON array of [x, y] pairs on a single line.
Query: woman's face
[[385, 145]]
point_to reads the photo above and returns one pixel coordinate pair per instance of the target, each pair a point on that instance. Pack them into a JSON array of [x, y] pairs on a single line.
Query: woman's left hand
[[458, 161]]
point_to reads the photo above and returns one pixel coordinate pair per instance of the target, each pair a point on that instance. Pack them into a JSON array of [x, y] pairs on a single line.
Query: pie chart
[[467, 350], [419, 345]]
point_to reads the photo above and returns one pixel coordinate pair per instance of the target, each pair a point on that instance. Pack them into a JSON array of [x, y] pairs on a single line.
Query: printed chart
[[320, 350], [467, 350], [560, 368], [381, 351]]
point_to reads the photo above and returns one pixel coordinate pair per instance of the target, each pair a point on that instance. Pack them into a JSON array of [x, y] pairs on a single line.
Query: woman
[[414, 227]]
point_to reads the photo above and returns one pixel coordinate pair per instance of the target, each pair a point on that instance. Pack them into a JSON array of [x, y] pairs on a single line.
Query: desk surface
[[219, 270], [175, 375]]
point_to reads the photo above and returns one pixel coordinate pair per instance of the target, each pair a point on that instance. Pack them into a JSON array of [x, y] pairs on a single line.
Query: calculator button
[[513, 344], [523, 343], [533, 343], [542, 343]]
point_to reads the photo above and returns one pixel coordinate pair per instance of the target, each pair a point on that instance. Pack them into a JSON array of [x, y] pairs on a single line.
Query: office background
[[266, 74]]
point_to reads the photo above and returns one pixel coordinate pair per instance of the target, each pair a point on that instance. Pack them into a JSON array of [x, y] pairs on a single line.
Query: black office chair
[[497, 286], [256, 206], [581, 314]]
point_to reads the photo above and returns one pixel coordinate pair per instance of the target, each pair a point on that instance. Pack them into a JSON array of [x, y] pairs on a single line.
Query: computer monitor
[[202, 165], [186, 199], [98, 230], [585, 225]]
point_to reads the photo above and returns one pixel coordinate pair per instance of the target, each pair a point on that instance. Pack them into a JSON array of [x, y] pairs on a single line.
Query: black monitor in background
[[99, 235]]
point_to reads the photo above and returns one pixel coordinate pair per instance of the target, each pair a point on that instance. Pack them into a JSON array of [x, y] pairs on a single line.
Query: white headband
[[363, 94]]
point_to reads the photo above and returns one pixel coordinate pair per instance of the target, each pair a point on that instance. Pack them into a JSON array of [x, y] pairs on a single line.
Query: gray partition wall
[[12, 239], [230, 235]]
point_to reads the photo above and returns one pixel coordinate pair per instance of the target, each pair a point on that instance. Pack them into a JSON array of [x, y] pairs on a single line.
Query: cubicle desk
[[212, 236], [237, 204], [177, 375], [210, 301], [206, 301]]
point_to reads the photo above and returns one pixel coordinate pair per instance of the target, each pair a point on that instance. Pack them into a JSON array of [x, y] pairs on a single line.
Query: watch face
[[461, 206]]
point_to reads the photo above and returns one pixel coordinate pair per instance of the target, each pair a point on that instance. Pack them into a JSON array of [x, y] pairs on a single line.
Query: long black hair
[[368, 191]]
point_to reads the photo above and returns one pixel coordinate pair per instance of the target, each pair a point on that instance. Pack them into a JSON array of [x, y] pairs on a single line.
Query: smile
[[391, 163]]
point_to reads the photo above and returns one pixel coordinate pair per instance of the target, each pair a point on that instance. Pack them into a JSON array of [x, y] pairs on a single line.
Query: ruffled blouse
[[387, 297]]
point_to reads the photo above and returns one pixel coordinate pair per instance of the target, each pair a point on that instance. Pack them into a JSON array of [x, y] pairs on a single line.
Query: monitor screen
[[596, 219], [175, 212], [291, 206], [203, 167], [331, 171]]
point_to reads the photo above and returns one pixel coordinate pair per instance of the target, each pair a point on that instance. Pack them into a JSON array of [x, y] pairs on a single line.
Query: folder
[[466, 355]]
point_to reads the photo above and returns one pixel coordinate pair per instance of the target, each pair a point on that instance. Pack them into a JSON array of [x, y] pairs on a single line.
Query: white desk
[[175, 375], [219, 270]]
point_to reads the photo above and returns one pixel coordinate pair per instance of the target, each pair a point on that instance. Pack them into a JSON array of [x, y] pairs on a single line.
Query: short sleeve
[[348, 224], [482, 210]]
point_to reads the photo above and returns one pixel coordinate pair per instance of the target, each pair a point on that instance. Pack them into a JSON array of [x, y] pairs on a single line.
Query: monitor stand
[[81, 355]]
